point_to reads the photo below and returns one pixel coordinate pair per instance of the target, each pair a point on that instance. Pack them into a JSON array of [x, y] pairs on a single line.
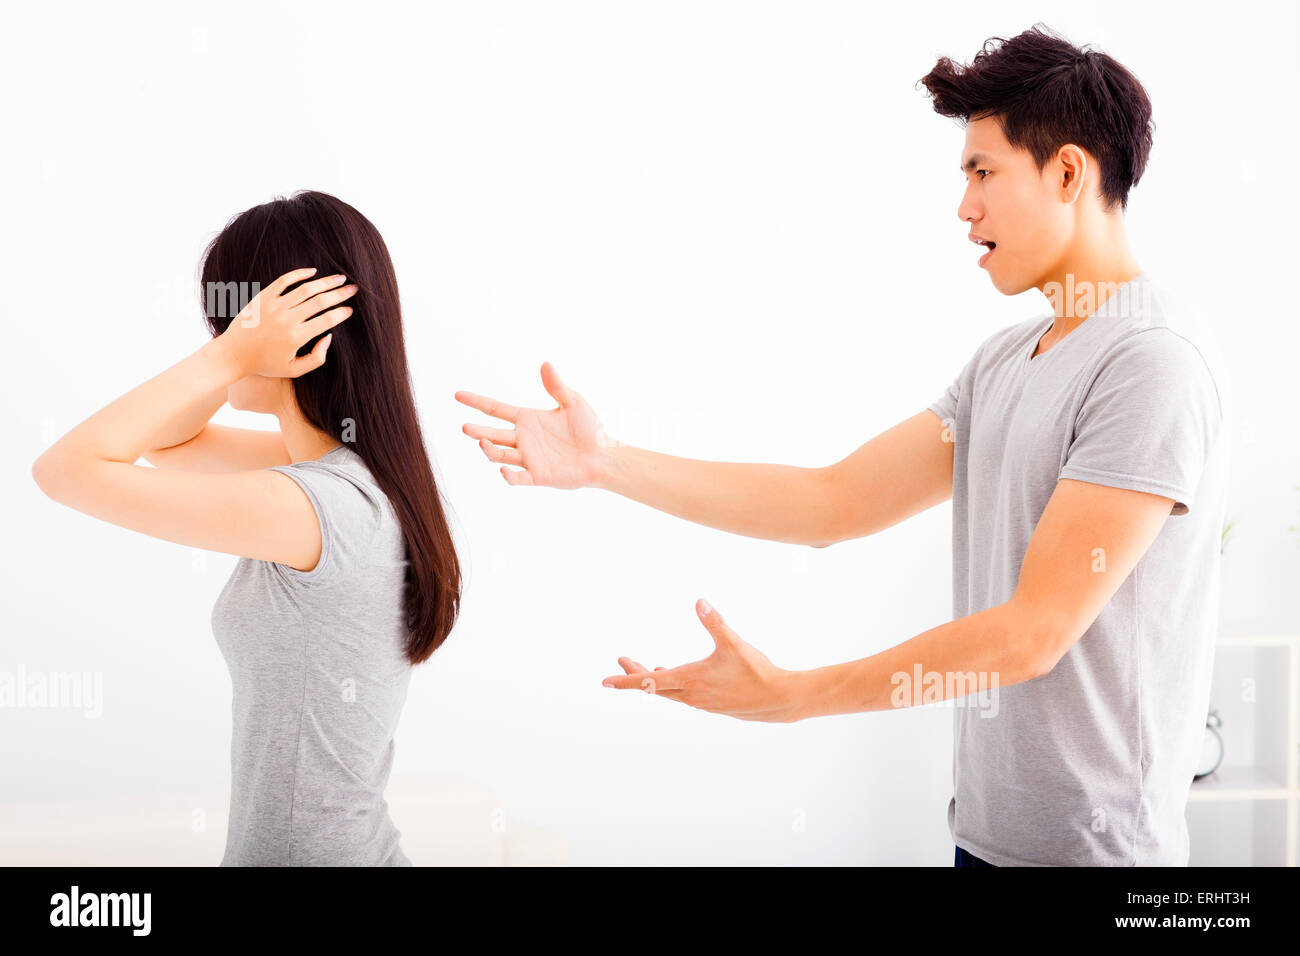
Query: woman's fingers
[[489, 406], [323, 323], [323, 300], [308, 289], [501, 436], [508, 456], [288, 279], [312, 360]]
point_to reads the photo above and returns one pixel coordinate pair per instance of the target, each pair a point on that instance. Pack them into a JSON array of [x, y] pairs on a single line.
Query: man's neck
[[1085, 278]]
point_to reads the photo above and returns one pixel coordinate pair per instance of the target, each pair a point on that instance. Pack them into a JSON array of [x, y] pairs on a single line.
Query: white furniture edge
[[1260, 785]]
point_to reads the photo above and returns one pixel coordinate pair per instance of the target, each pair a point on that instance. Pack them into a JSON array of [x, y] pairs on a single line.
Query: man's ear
[[1073, 169]]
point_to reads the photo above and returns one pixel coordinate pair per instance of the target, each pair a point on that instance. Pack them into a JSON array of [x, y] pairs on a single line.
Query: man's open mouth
[[988, 244]]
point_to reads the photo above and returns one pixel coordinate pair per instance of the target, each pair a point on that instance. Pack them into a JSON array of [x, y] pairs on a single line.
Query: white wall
[[732, 226]]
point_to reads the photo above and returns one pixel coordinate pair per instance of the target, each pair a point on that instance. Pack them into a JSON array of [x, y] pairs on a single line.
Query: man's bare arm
[[1063, 587], [900, 472], [895, 475]]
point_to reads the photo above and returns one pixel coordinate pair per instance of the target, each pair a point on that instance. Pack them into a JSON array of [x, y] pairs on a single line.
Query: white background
[[732, 226]]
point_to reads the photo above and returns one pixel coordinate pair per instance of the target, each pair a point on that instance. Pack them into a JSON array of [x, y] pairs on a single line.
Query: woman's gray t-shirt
[[319, 679]]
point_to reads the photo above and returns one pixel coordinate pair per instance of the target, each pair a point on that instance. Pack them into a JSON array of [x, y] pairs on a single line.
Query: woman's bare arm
[[192, 443], [257, 514], [222, 449]]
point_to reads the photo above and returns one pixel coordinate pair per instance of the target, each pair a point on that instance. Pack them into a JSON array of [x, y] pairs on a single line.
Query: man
[[1085, 452]]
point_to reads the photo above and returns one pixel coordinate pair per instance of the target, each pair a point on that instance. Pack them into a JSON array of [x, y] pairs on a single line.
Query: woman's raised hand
[[264, 338], [561, 447]]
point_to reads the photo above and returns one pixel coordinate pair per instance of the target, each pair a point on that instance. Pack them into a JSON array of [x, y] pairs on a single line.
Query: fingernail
[[704, 608], [608, 683]]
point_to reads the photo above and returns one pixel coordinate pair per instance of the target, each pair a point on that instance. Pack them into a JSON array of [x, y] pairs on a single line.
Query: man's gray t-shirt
[[319, 678], [1091, 763]]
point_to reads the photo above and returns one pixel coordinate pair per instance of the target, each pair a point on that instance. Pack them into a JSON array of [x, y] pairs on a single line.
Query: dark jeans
[[969, 859]]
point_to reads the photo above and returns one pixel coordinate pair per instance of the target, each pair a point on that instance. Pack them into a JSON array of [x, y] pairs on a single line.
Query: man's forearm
[[975, 654], [776, 502]]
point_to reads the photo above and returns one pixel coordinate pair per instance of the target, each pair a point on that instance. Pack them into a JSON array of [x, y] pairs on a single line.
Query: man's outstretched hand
[[737, 679], [561, 447]]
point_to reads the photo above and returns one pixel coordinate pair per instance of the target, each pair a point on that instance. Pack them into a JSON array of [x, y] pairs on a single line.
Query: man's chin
[[1008, 284]]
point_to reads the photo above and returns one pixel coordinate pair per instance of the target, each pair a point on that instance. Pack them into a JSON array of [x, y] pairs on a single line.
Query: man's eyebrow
[[975, 160]]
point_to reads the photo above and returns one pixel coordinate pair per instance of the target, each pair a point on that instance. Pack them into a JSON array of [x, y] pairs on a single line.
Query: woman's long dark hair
[[362, 394]]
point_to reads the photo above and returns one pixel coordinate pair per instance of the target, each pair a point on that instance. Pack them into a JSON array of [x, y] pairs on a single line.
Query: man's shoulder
[[1158, 325], [1148, 304]]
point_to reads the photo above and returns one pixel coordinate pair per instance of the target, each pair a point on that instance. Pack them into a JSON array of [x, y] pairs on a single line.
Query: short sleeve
[[1149, 419], [348, 516], [945, 406]]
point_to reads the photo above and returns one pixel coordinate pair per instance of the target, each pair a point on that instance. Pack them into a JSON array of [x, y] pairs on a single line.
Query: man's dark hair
[[1046, 92]]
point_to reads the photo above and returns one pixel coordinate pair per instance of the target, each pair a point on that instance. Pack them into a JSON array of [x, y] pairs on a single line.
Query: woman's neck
[[304, 441]]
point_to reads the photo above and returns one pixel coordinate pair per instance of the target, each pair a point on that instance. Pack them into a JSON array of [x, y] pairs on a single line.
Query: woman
[[348, 575]]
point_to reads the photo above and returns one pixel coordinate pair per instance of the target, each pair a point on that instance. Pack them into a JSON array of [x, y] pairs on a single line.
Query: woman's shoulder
[[346, 462], [354, 514], [342, 479]]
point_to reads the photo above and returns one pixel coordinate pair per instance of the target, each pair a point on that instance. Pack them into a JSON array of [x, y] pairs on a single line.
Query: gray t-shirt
[[319, 677], [1091, 763]]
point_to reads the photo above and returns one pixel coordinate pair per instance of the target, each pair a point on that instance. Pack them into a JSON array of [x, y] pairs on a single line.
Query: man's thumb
[[553, 385], [713, 622]]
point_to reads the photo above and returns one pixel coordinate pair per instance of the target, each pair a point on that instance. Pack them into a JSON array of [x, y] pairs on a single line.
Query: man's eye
[[981, 171]]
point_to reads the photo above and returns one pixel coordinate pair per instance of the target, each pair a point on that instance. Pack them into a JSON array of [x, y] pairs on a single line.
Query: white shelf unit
[[1274, 775]]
